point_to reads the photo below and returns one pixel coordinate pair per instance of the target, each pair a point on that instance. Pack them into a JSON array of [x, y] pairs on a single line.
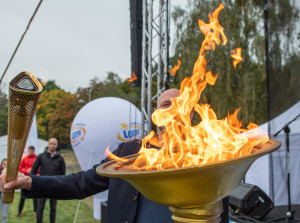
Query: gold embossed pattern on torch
[[24, 94]]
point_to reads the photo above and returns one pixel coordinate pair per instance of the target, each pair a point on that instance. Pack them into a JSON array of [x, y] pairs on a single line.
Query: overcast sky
[[69, 41]]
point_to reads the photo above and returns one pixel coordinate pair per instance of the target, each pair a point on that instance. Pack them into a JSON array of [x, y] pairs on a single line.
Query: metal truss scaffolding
[[154, 57]]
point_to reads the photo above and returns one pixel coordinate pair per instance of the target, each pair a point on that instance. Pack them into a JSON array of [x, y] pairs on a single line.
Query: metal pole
[[154, 64], [160, 42], [149, 83], [266, 24], [144, 66], [167, 42]]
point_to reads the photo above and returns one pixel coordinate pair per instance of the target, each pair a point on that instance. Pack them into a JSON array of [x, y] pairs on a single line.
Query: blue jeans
[[4, 210]]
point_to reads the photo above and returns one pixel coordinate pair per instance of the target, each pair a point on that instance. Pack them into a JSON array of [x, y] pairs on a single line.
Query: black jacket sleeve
[[73, 186]]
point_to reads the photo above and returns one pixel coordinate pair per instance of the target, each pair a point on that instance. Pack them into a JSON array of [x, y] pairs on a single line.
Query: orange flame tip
[[175, 68], [133, 77], [237, 56], [43, 81], [112, 156]]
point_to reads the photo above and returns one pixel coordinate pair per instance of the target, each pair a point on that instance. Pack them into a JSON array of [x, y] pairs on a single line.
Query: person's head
[[3, 163], [31, 150], [164, 101], [52, 145]]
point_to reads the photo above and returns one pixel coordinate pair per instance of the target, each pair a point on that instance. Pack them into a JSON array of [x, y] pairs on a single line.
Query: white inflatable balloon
[[103, 122]]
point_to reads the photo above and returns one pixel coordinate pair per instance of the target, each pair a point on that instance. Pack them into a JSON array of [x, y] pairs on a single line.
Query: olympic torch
[[24, 93]]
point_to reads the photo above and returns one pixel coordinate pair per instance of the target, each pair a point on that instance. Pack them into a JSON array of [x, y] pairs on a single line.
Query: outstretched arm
[[74, 186], [65, 187]]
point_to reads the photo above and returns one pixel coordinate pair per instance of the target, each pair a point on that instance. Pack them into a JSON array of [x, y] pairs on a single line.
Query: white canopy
[[272, 178], [3, 146]]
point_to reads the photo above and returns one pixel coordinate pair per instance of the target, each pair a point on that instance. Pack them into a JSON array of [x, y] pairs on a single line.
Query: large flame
[[212, 140]]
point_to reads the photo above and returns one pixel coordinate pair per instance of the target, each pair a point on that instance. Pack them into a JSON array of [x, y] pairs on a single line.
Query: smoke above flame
[[211, 140]]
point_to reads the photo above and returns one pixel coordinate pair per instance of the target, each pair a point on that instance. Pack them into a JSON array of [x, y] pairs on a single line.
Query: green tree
[[284, 55], [55, 113], [62, 117], [112, 86], [50, 86], [3, 113], [3, 120]]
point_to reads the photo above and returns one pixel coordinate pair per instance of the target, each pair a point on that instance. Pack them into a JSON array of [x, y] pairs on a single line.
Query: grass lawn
[[66, 210]]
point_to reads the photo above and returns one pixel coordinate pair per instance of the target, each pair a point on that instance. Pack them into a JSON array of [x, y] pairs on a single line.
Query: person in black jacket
[[49, 163], [125, 203]]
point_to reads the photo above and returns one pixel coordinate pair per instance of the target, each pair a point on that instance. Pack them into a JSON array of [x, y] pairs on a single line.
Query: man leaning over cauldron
[[125, 203]]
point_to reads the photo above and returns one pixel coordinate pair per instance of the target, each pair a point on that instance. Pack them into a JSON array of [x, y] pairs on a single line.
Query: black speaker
[[251, 201], [136, 34]]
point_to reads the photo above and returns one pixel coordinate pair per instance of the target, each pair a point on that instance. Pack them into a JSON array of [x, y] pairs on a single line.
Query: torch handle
[[8, 197]]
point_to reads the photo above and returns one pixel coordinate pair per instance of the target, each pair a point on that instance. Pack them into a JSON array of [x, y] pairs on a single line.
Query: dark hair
[[3, 160], [31, 147]]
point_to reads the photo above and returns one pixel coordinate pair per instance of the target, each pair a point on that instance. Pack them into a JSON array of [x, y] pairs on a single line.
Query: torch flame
[[211, 140], [175, 68], [112, 156], [133, 77], [237, 56]]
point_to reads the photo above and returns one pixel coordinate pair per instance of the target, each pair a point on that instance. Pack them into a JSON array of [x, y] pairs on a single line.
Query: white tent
[[32, 140], [3, 146], [270, 172]]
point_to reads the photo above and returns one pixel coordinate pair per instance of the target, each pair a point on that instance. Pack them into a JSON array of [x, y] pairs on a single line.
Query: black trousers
[[22, 202], [40, 210]]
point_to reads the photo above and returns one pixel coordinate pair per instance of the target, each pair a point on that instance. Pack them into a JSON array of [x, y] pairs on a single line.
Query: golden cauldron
[[193, 194]]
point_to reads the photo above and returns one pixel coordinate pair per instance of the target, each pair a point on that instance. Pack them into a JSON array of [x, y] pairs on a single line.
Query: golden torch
[[24, 93]]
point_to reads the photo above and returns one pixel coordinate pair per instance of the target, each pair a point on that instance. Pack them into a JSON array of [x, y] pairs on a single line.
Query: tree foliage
[[50, 85], [284, 54], [112, 86], [55, 113], [3, 113]]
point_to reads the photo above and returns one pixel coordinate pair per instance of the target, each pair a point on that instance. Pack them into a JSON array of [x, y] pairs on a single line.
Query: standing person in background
[[25, 167], [3, 207], [50, 163]]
